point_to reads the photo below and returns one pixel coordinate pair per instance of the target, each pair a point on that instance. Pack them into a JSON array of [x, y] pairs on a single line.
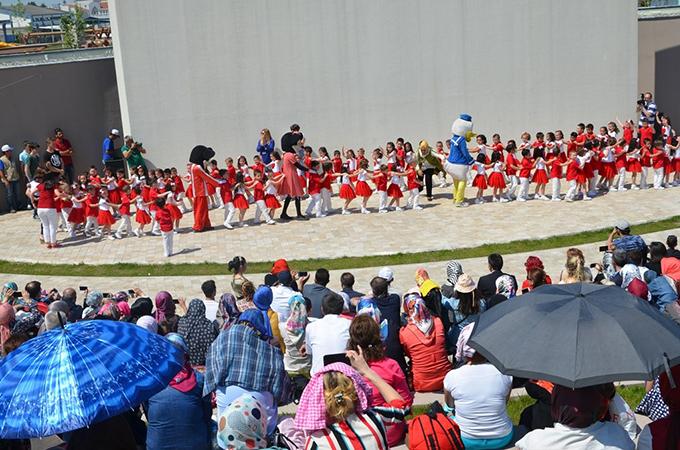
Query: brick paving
[[438, 226]]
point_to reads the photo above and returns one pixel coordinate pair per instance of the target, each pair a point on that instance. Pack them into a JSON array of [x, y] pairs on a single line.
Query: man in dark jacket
[[487, 283], [390, 310]]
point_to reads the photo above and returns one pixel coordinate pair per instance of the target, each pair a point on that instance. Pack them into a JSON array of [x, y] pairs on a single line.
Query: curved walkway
[[438, 226]]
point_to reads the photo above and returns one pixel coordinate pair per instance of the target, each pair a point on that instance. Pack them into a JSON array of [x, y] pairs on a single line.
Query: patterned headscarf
[[6, 321], [505, 286], [120, 296], [227, 310], [165, 307], [311, 413], [10, 285], [369, 307], [464, 351], [417, 312], [424, 282], [453, 270], [297, 321], [198, 332], [628, 273], [243, 425], [124, 308]]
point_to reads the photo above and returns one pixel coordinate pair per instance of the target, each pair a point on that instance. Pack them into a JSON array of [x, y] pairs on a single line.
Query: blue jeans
[[12, 191]]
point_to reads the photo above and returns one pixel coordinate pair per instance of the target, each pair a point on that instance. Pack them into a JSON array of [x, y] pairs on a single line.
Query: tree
[[18, 9], [73, 27]]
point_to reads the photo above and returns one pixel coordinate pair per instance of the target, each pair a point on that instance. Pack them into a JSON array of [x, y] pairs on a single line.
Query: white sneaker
[[462, 205], [634, 188], [478, 201], [112, 237], [521, 199], [613, 189], [244, 225], [156, 233], [623, 189], [494, 199], [175, 232], [398, 208], [503, 200], [417, 207], [137, 233], [345, 212], [382, 211], [322, 215], [271, 222], [556, 200], [228, 226], [365, 211], [118, 236], [587, 198], [568, 199]]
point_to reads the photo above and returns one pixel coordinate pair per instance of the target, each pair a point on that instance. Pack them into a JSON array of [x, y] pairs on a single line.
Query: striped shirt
[[650, 107], [364, 431]]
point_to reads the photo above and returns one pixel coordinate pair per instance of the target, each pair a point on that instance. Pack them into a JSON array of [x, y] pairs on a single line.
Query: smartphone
[[302, 274], [335, 358], [17, 295], [604, 248], [106, 295], [131, 291], [82, 288], [175, 301]]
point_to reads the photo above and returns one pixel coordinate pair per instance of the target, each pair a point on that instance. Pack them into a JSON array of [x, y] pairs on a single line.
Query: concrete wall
[[79, 97], [359, 73], [659, 62]]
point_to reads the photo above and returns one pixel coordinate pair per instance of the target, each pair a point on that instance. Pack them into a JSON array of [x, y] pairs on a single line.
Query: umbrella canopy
[[577, 335], [71, 377]]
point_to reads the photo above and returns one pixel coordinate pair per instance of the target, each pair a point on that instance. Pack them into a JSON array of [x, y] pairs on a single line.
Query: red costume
[[200, 180]]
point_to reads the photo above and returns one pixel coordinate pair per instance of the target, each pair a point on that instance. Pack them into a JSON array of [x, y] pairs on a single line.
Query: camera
[[138, 144], [641, 102]]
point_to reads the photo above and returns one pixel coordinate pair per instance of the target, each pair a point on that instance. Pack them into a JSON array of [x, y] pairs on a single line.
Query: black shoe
[[429, 199], [285, 217], [301, 217]]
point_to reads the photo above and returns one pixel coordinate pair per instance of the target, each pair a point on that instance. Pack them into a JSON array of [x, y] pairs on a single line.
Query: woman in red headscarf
[[664, 434], [533, 262]]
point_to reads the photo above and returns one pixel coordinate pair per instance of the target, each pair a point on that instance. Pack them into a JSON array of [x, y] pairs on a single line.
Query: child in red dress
[[241, 195], [645, 162], [257, 186], [91, 212], [363, 190], [413, 185], [540, 176], [394, 189], [142, 214], [479, 181], [105, 213], [227, 197], [77, 215], [124, 212], [346, 191], [497, 178]]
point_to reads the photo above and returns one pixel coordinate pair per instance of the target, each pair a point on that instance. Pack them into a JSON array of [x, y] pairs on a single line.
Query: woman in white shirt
[[577, 427], [478, 392]]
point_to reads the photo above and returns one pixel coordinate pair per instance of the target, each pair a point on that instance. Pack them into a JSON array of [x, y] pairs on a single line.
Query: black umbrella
[[578, 335]]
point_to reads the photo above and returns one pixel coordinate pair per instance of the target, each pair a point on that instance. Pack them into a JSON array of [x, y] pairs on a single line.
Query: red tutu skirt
[[581, 177], [114, 196], [346, 192], [393, 191], [105, 217], [77, 215], [633, 166], [363, 189], [142, 217], [540, 177], [190, 192], [480, 181], [608, 170], [240, 202], [270, 201], [175, 212], [668, 166], [676, 163], [588, 170], [496, 180]]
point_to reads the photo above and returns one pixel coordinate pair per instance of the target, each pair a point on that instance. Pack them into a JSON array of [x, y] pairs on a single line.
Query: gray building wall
[[359, 73]]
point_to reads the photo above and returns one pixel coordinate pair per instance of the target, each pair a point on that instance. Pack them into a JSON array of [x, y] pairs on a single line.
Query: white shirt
[[281, 295], [211, 307], [480, 393], [326, 336], [598, 436]]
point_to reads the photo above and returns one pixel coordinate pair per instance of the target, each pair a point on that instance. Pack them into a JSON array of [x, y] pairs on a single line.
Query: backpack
[[434, 431]]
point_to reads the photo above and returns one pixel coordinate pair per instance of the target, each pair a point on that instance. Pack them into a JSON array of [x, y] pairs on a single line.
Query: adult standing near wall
[[291, 187], [133, 153], [47, 207], [429, 164], [265, 146], [65, 149], [647, 109], [29, 160], [199, 183], [52, 162], [109, 148], [10, 178]]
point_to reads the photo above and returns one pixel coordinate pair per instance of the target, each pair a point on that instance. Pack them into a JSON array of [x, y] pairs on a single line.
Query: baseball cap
[[622, 224], [115, 132], [7, 148], [386, 273]]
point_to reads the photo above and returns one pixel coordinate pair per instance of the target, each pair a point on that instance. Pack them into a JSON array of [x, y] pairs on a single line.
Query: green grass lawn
[[354, 262], [631, 394]]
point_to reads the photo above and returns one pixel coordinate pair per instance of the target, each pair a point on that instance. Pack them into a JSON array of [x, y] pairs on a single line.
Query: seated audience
[[329, 335], [464, 308], [487, 283], [389, 305]]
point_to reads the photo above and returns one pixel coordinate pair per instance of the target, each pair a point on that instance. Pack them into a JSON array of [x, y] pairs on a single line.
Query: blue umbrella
[[71, 377]]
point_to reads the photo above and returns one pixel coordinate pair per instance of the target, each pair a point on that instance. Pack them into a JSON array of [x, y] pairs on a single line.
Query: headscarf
[[280, 265], [27, 321], [165, 307], [453, 270], [505, 286], [143, 306], [311, 412], [533, 262], [109, 310], [368, 306], [93, 301], [417, 313], [628, 273], [463, 350], [6, 321], [120, 296], [59, 305], [227, 310], [52, 320], [577, 408], [253, 318], [198, 332], [148, 323], [263, 299], [243, 425], [124, 308], [185, 380], [424, 282], [10, 285], [297, 321]]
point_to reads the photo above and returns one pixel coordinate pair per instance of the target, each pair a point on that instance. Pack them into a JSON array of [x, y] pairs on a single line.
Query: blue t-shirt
[[107, 149], [265, 151], [2, 165]]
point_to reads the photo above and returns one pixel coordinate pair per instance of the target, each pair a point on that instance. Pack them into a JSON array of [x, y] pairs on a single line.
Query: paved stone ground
[[190, 286], [438, 226]]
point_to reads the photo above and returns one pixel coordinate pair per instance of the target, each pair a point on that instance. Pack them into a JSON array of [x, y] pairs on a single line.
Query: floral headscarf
[[628, 273], [198, 332], [228, 310], [463, 350], [165, 307], [6, 321], [369, 307], [148, 323], [297, 321], [243, 425], [506, 286], [453, 270], [124, 308], [10, 285], [417, 312]]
